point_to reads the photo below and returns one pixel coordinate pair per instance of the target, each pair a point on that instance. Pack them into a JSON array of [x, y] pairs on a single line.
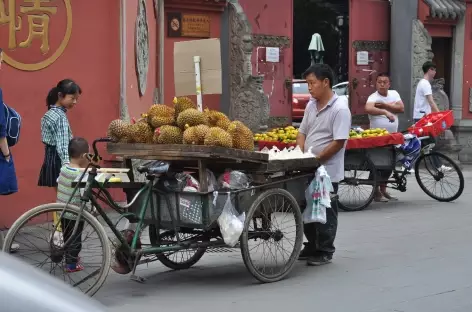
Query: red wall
[[368, 20], [467, 80], [273, 17], [139, 104], [209, 100], [92, 58]]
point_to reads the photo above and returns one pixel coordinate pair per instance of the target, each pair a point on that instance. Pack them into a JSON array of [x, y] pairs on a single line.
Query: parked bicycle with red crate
[[413, 151]]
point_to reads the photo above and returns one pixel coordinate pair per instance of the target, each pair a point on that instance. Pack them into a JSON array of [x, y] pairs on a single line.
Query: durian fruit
[[195, 135], [118, 129], [218, 137], [182, 103], [217, 119], [141, 131], [191, 117], [160, 115], [168, 135], [242, 136]]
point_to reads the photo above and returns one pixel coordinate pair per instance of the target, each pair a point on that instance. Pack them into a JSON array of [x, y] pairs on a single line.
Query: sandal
[[389, 197]]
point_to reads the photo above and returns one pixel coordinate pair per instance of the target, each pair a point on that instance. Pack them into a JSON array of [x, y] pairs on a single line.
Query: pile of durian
[[183, 124]]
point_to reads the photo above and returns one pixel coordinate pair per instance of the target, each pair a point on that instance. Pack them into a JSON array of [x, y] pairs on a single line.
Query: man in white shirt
[[383, 106], [424, 102]]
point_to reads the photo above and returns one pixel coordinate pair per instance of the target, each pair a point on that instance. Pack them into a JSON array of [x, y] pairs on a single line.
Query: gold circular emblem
[[43, 64]]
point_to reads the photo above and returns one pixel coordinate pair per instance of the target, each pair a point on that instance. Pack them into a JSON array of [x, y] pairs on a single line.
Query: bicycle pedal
[[138, 279]]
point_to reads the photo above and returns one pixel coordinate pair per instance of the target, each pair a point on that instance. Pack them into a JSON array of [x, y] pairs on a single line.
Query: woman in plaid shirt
[[55, 130]]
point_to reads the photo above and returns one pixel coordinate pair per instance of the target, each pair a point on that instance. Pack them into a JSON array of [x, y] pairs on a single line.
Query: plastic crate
[[191, 209], [270, 144], [440, 122]]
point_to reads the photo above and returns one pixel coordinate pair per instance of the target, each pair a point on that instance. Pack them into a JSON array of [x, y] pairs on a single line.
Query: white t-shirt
[[421, 103], [381, 121]]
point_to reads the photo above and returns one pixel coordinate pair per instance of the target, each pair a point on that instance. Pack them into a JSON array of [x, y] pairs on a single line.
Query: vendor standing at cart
[[324, 128], [383, 106]]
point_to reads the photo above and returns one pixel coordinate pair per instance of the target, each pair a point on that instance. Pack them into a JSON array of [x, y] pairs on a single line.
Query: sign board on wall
[[362, 58], [209, 51], [188, 25], [272, 55]]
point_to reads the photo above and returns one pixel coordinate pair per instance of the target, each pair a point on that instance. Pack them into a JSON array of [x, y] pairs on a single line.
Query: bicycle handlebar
[[96, 157]]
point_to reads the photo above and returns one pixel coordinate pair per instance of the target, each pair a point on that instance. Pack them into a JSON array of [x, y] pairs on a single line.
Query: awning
[[446, 9]]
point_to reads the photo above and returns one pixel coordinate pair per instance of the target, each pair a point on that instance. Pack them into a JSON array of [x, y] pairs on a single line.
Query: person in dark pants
[[325, 128]]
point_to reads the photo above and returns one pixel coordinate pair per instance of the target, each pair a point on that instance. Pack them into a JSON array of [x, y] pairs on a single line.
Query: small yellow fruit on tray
[[285, 135], [359, 133]]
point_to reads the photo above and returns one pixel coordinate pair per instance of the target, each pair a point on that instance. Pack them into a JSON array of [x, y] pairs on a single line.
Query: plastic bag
[[313, 212], [233, 180], [212, 183], [231, 225]]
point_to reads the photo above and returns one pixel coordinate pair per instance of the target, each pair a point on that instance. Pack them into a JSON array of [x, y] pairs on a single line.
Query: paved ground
[[409, 256]]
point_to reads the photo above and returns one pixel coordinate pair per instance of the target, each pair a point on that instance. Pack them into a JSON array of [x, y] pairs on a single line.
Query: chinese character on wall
[[37, 17]]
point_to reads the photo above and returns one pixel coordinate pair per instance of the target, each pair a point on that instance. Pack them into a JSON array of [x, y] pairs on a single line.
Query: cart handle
[[96, 157]]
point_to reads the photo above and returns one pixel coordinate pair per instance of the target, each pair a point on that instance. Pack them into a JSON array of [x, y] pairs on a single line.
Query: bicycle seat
[[154, 168]]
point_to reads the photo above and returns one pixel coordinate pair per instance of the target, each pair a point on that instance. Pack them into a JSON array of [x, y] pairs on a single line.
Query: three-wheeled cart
[[386, 160], [182, 225]]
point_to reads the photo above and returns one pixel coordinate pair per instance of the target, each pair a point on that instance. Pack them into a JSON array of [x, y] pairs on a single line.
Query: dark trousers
[[321, 236], [74, 247], [435, 160]]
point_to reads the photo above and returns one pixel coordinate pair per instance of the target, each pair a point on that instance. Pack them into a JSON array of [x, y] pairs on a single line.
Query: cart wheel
[[33, 232], [274, 221], [181, 259], [429, 176], [357, 190]]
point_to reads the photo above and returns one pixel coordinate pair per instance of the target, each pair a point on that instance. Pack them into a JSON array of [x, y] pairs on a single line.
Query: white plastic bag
[[314, 212], [231, 226]]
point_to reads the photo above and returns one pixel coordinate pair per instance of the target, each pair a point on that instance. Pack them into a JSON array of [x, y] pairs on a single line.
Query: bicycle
[[387, 158], [169, 231]]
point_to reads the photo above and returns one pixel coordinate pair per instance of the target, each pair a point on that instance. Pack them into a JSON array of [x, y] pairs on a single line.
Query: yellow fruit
[[217, 119], [191, 117], [168, 135], [117, 129], [141, 132], [242, 136], [218, 137], [195, 135], [181, 104]]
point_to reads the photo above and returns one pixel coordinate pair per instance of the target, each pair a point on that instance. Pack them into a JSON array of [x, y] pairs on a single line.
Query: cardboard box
[[209, 51]]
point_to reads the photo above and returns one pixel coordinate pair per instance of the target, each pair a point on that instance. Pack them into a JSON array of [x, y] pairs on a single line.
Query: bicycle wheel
[[181, 259], [272, 209], [81, 263], [357, 189], [427, 164]]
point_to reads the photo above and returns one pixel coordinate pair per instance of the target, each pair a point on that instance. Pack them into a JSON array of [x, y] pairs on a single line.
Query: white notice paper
[[272, 55], [362, 58]]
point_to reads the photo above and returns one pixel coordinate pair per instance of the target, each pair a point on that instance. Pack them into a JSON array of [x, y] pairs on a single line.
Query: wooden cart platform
[[217, 159]]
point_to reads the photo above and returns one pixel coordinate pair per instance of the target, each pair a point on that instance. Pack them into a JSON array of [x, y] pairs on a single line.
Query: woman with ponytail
[[55, 130]]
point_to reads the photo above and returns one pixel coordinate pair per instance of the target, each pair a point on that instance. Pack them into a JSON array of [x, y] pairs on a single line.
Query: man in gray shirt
[[325, 128]]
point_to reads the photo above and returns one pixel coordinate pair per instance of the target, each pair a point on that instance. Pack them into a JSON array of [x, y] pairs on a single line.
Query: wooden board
[[184, 152]]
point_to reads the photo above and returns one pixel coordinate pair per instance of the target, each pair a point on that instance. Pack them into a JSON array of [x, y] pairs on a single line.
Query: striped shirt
[[65, 189], [55, 131]]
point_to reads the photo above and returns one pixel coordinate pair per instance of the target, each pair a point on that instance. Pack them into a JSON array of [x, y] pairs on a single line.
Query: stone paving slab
[[411, 256]]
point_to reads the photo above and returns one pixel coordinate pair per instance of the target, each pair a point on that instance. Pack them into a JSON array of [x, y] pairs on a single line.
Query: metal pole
[[198, 83], [124, 114], [161, 50]]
